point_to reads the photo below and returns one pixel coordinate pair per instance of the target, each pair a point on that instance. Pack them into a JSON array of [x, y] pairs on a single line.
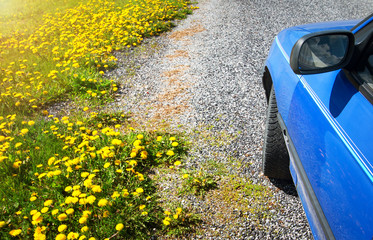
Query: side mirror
[[322, 52]]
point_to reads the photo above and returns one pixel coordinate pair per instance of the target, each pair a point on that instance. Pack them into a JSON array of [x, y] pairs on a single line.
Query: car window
[[364, 70]]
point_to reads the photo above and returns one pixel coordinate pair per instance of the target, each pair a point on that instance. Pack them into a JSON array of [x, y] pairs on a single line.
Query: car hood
[[288, 37]]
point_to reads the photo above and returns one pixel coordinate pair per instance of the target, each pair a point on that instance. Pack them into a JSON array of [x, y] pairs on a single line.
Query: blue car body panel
[[329, 123]]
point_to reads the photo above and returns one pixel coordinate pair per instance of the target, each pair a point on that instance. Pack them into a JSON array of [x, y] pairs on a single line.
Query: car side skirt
[[316, 218]]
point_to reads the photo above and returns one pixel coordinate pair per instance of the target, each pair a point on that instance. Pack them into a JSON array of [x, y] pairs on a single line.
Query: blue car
[[318, 80]]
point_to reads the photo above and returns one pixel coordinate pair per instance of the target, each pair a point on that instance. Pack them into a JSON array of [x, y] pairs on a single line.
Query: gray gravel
[[206, 76]]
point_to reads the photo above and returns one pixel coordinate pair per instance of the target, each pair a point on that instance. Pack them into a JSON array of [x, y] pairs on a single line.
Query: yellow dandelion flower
[[44, 210], [15, 232], [115, 195], [72, 235], [119, 226], [24, 131], [170, 153], [83, 220], [62, 217], [2, 224], [61, 237], [102, 203], [69, 211], [106, 165], [48, 203], [62, 228]]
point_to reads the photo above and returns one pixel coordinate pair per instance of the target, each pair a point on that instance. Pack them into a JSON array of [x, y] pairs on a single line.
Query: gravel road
[[205, 77]]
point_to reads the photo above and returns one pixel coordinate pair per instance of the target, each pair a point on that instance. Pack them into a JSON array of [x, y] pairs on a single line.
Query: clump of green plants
[[177, 221], [107, 119], [62, 179], [198, 182]]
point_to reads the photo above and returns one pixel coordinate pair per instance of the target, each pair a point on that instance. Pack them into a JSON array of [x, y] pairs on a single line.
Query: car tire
[[275, 162]]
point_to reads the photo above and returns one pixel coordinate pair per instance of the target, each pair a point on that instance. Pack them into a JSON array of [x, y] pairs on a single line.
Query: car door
[[330, 125]]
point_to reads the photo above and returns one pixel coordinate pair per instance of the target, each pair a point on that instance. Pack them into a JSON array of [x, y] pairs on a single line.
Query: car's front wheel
[[275, 162]]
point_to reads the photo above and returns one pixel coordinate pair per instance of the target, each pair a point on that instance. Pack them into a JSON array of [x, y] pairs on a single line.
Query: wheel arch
[[267, 82]]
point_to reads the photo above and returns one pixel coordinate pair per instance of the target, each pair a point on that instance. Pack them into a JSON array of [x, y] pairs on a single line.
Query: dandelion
[[62, 228], [48, 203], [84, 174], [102, 203], [2, 224], [177, 163], [72, 235], [24, 131], [18, 145], [44, 210], [70, 211], [175, 144], [106, 165], [36, 218], [33, 198], [170, 153], [91, 199], [83, 220], [96, 188], [139, 190], [30, 123], [185, 176], [119, 226], [166, 222], [55, 211], [159, 138], [61, 237], [144, 154], [62, 217], [172, 138], [15, 232], [115, 195], [116, 142], [84, 229]]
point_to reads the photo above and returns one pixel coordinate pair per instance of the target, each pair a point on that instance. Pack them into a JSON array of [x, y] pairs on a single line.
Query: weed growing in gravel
[[178, 222], [198, 183]]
